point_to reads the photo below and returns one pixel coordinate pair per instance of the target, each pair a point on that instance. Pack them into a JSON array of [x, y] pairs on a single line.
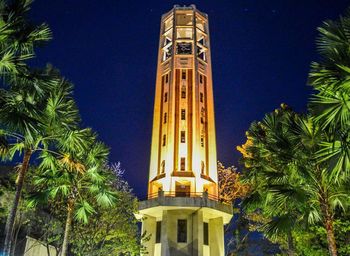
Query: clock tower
[[184, 214]]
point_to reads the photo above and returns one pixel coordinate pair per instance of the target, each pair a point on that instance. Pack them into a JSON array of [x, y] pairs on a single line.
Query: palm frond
[[84, 210], [105, 198], [337, 156], [281, 225]]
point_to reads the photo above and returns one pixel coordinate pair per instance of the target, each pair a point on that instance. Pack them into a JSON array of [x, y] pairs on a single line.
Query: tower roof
[[184, 8]]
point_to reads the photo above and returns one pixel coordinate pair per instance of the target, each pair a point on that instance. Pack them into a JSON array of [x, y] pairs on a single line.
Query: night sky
[[261, 53]]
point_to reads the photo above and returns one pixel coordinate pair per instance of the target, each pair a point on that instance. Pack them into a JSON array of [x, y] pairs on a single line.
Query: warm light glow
[[183, 146], [183, 168]]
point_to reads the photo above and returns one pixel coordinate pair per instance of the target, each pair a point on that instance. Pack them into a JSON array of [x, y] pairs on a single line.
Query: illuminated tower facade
[[183, 213]]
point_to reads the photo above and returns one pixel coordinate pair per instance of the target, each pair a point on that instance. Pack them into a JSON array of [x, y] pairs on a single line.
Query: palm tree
[[264, 155], [18, 37], [331, 102], [73, 179], [326, 193], [289, 180], [34, 113]]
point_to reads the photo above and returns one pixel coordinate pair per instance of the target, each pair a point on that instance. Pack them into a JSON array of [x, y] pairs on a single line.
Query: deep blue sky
[[261, 53]]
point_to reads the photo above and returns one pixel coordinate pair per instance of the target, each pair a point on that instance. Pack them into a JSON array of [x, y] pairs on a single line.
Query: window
[[184, 33], [201, 97], [167, 45], [200, 78], [166, 78], [183, 140], [165, 118], [183, 114], [201, 39], [158, 231], [201, 52], [165, 97], [201, 24], [182, 163], [202, 115], [164, 140], [162, 168], [182, 190], [184, 19], [202, 167], [167, 52], [167, 40], [205, 233], [183, 92], [183, 74], [202, 141], [168, 23], [182, 231]]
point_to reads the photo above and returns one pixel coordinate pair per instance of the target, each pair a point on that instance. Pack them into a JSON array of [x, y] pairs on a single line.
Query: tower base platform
[[184, 226]]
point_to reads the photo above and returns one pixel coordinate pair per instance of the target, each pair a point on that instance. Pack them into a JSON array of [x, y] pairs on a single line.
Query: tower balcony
[[162, 193], [171, 200]]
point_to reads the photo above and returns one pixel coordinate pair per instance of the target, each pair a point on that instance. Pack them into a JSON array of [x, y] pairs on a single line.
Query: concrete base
[[195, 217]]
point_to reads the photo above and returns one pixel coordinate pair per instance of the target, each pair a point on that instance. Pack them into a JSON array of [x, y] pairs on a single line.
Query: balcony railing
[[204, 195]]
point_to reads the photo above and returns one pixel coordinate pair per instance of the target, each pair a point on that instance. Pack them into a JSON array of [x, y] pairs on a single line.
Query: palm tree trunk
[[332, 247], [70, 210], [328, 224], [12, 215]]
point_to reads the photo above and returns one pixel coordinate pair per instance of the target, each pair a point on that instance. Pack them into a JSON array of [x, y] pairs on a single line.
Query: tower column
[[216, 236], [197, 247], [149, 226], [165, 247]]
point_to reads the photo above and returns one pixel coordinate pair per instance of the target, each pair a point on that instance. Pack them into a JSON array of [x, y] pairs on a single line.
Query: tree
[[230, 185], [331, 100], [28, 221], [313, 241], [23, 95], [19, 37], [111, 231], [73, 179], [289, 183], [47, 226], [35, 112], [246, 238]]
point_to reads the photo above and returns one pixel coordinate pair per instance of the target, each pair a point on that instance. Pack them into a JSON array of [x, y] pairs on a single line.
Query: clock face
[[184, 48]]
